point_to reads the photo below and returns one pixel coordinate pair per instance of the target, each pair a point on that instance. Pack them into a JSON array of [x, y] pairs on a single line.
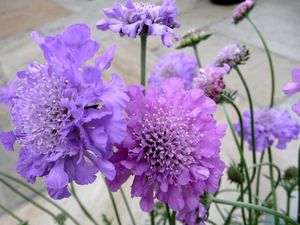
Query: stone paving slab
[[20, 16], [278, 21]]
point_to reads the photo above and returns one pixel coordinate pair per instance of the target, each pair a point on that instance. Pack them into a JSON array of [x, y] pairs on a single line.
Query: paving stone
[[19, 16], [277, 19]]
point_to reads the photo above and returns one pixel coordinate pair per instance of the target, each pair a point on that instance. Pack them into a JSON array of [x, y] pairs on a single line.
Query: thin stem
[[255, 207], [40, 195], [269, 60], [272, 184], [152, 217], [128, 207], [288, 204], [258, 185], [114, 206], [143, 59], [197, 55], [82, 207], [298, 215], [243, 161], [27, 198], [252, 119], [6, 210], [174, 218], [168, 214]]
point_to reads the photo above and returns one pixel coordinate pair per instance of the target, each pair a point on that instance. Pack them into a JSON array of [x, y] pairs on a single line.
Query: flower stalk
[[13, 215], [143, 59]]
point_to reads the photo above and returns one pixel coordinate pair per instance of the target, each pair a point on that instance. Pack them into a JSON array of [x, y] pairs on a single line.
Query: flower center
[[39, 113], [148, 9], [168, 139]]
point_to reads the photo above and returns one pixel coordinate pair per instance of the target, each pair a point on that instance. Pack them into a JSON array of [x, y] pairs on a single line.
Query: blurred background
[[277, 19]]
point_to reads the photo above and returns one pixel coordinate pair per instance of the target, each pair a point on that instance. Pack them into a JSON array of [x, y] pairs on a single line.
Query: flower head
[[66, 117], [232, 55], [175, 65], [172, 146], [192, 38], [242, 10], [294, 87], [210, 80], [139, 18], [270, 125]]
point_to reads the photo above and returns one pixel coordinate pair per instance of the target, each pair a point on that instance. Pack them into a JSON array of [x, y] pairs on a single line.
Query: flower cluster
[[242, 10], [171, 147], [139, 18], [66, 117], [210, 80], [232, 55], [294, 87], [175, 65], [270, 125]]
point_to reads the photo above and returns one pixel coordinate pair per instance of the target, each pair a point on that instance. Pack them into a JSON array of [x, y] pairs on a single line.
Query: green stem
[[228, 219], [174, 218], [298, 214], [274, 200], [128, 207], [258, 185], [241, 152], [6, 210], [27, 198], [255, 207], [82, 207], [114, 206], [269, 60], [197, 55], [40, 195], [152, 217], [168, 214], [143, 59], [252, 119], [288, 204]]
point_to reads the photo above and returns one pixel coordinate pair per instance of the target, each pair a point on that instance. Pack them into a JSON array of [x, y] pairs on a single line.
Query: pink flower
[[242, 10], [171, 148]]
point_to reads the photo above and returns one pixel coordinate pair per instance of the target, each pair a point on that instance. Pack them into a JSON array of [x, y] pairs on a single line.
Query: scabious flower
[[171, 148], [177, 65], [292, 88], [242, 10], [210, 80], [66, 117], [139, 18], [270, 125], [192, 38], [232, 55]]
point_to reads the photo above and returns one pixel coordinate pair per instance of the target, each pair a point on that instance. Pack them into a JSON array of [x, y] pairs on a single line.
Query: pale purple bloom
[[66, 117], [242, 10], [210, 80], [139, 18], [172, 146], [232, 55], [292, 88], [177, 65], [271, 126]]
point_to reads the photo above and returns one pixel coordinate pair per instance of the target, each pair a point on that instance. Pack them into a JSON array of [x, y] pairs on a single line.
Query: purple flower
[[175, 65], [193, 217], [242, 10], [232, 55], [210, 80], [171, 148], [66, 117], [270, 125], [139, 18], [292, 88]]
